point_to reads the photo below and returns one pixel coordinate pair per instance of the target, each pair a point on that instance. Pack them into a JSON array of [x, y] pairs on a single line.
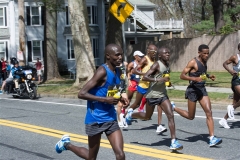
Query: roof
[[145, 3]]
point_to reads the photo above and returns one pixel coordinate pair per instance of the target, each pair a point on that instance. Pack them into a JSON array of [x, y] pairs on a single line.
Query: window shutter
[[43, 50], [5, 12], [28, 16], [43, 14], [29, 46], [67, 20], [6, 50], [68, 48]]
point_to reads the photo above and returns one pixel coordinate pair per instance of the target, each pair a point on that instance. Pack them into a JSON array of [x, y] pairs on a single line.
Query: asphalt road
[[29, 130]]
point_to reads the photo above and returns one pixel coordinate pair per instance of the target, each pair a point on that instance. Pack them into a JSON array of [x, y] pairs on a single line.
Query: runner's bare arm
[[141, 64]]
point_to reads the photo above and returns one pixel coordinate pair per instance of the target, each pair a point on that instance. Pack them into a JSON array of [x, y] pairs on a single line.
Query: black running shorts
[[156, 101], [195, 92], [235, 82], [107, 127]]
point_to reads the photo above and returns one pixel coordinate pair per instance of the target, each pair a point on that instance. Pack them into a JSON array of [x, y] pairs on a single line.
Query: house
[[140, 26]]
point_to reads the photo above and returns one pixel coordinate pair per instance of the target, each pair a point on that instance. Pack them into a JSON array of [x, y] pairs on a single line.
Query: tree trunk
[[82, 45], [51, 59], [114, 29], [218, 14], [21, 22], [181, 7], [203, 9]]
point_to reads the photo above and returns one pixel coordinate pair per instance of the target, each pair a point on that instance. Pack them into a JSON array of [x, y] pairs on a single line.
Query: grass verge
[[64, 87]]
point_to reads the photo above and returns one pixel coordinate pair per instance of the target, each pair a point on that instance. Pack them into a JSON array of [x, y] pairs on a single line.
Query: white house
[[140, 26]]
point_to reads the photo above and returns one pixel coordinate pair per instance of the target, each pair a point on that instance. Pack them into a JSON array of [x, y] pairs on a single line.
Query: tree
[[114, 29], [82, 45], [50, 36], [203, 9], [218, 14], [21, 31]]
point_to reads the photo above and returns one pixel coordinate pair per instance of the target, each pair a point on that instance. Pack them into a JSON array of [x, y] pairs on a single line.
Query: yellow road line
[[150, 152]]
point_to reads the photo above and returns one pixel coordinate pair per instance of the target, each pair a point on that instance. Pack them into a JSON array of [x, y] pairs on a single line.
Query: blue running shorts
[[141, 90]]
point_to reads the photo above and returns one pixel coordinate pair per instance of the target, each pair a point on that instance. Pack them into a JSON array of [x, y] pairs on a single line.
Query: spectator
[[39, 69]]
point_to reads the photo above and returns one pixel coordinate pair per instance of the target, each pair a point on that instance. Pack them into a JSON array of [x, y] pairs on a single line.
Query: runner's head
[[114, 54], [152, 51], [138, 55], [164, 54]]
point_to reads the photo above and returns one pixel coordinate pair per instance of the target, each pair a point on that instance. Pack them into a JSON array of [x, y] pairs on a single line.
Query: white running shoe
[[123, 120], [223, 122], [161, 129], [120, 124], [173, 105], [230, 110]]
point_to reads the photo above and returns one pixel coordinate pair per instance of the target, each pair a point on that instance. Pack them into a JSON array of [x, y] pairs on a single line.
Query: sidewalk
[[209, 89]]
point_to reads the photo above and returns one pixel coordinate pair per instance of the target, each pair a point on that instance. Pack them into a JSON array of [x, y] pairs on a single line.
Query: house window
[[132, 42], [3, 49], [92, 14], [3, 16], [33, 15], [36, 50], [67, 16], [70, 49]]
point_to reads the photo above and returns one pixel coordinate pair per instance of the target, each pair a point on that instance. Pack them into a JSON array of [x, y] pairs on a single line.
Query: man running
[[235, 71], [101, 116], [132, 87], [157, 94], [142, 67], [196, 73]]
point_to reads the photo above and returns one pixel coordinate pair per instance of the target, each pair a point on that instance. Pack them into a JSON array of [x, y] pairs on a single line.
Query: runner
[[157, 94], [142, 67], [196, 91], [101, 116], [132, 87], [235, 61]]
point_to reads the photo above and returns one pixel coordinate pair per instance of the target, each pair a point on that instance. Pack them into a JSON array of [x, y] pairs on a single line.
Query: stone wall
[[184, 49]]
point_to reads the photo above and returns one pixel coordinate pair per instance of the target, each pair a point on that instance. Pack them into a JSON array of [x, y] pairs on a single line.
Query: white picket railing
[[169, 24], [151, 24]]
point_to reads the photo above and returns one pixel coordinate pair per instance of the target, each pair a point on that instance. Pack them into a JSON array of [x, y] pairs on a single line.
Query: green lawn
[[223, 79]]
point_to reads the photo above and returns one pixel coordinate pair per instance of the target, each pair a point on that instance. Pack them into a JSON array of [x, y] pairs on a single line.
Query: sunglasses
[[154, 51]]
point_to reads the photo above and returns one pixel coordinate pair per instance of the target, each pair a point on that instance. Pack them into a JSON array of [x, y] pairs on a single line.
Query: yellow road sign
[[121, 9]]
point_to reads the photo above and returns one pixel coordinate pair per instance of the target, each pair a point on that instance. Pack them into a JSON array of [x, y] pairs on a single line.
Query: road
[[29, 130]]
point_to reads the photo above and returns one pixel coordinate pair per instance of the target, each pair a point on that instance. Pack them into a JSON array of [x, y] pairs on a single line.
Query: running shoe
[[129, 116], [215, 141], [230, 112], [140, 110], [176, 146], [122, 123], [223, 122], [1, 92], [59, 147], [173, 105], [161, 129]]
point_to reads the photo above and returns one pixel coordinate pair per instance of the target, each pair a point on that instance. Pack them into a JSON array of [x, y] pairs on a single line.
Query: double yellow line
[[145, 151]]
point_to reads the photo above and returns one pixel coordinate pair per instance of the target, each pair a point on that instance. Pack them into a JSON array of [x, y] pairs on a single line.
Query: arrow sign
[[121, 9], [122, 5]]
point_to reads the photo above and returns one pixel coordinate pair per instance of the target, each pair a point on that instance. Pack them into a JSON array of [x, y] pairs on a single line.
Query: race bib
[[112, 91]]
